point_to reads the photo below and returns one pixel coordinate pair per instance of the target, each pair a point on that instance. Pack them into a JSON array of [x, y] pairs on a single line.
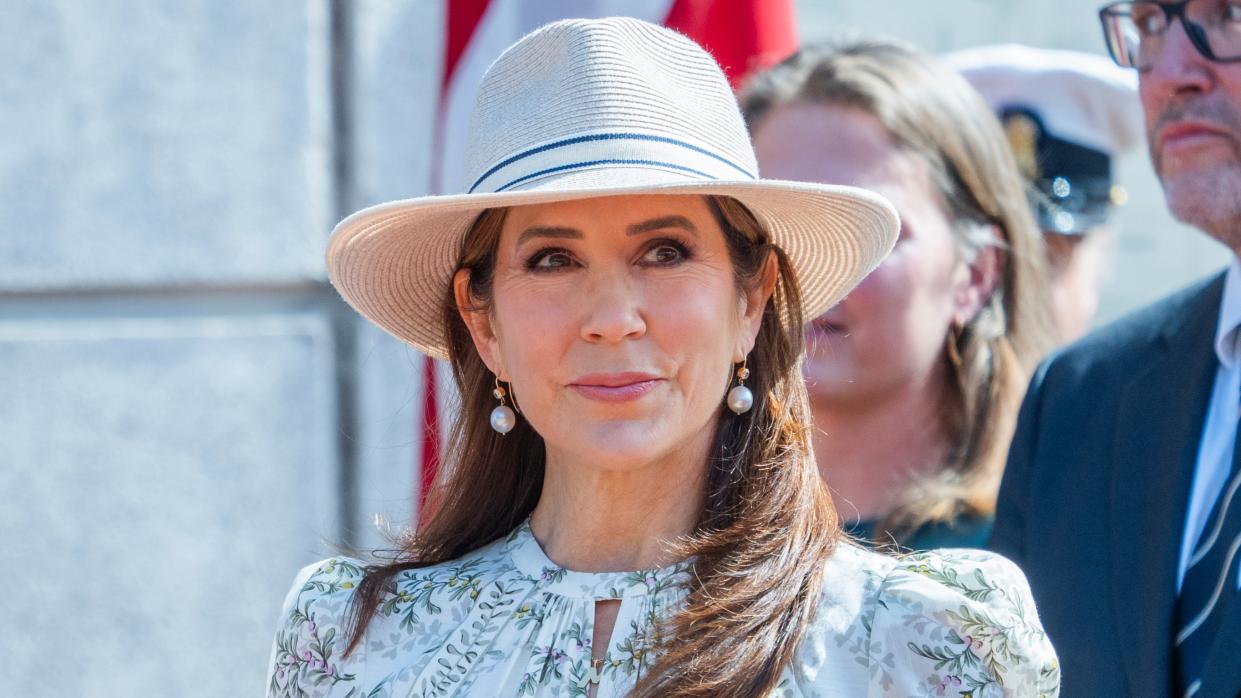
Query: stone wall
[[190, 413]]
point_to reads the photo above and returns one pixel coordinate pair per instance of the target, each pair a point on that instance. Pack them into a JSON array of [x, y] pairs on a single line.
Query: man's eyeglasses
[[1136, 31]]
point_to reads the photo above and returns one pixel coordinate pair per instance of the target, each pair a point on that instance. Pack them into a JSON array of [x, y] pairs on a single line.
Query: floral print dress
[[506, 621]]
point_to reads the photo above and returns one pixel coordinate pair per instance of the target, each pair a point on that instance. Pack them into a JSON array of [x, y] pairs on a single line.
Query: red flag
[[430, 431], [744, 36]]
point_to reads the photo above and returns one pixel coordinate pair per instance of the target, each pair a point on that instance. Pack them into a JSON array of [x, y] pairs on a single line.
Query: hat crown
[[614, 92]]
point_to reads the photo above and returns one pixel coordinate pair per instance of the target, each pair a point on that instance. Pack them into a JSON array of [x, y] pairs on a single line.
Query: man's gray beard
[[1210, 198], [1209, 201]]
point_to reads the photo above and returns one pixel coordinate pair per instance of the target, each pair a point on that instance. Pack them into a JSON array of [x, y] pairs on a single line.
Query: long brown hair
[[930, 111], [766, 527]]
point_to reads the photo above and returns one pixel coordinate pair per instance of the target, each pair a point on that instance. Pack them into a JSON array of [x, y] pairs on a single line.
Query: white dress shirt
[[1218, 434]]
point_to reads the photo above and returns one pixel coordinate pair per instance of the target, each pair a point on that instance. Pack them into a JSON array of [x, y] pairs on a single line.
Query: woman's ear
[[977, 281], [753, 303], [478, 322]]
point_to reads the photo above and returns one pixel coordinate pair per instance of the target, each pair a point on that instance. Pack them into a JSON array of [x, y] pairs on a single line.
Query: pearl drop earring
[[740, 399], [502, 417]]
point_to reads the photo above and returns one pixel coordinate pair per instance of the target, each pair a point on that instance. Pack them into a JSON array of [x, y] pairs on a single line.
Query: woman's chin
[[621, 446], [837, 379], [830, 389], [624, 450]]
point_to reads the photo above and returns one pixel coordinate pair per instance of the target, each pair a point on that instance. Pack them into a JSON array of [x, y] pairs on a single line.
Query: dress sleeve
[[310, 635], [959, 622]]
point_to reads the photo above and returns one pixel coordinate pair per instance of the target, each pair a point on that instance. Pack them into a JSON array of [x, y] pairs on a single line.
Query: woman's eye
[[546, 260], [665, 254]]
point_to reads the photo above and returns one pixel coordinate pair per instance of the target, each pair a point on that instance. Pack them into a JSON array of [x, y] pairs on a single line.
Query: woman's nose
[[612, 308]]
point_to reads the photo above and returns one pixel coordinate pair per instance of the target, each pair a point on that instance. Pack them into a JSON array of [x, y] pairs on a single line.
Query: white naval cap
[[1066, 114], [1080, 97]]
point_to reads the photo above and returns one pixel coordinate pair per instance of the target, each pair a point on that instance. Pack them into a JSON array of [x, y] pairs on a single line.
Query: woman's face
[[617, 321], [889, 334], [1076, 266]]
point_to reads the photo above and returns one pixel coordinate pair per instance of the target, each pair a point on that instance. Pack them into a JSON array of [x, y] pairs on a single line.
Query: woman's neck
[[868, 454], [594, 520]]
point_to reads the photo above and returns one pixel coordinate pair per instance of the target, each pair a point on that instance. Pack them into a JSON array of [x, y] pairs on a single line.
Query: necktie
[[1210, 583]]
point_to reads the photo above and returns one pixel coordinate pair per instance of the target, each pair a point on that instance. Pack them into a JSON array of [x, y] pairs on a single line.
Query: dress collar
[[530, 560], [1227, 330]]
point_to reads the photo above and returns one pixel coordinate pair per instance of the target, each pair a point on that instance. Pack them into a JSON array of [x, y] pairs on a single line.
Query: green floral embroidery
[[653, 580], [529, 613], [305, 652], [976, 650], [931, 624], [421, 588], [975, 587], [552, 574], [636, 651], [346, 573], [465, 645], [548, 665]]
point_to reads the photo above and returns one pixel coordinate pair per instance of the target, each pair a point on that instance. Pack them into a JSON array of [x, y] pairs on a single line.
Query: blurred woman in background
[[916, 377]]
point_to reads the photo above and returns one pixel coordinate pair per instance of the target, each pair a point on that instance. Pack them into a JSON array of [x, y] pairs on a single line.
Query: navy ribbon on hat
[[580, 152]]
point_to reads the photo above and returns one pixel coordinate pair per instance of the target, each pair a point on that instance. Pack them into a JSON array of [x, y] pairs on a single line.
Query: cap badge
[[1023, 134]]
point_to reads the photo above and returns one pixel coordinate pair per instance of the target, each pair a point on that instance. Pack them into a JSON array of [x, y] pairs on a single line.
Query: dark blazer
[[1093, 502]]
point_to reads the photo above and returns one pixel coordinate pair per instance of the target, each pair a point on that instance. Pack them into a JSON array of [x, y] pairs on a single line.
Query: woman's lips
[[615, 387]]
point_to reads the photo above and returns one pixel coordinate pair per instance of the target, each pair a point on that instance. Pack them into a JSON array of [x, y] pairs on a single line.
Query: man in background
[[1120, 498]]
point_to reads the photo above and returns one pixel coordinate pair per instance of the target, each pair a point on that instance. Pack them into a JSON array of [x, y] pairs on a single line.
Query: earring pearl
[[740, 399], [502, 419]]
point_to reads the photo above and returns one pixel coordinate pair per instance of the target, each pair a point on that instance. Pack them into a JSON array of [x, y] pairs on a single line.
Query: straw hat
[[588, 108]]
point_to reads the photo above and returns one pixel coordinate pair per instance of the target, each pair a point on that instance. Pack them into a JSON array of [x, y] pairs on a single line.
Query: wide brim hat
[[592, 108]]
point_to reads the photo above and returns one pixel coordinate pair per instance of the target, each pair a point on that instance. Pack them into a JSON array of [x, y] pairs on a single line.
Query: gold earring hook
[[743, 372], [499, 392]]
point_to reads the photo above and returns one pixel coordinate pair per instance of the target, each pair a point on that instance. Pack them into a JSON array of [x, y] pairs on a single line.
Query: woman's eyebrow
[[566, 233], [542, 231], [661, 223]]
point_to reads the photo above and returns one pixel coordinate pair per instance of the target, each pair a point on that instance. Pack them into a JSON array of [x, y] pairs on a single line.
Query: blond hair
[[931, 112]]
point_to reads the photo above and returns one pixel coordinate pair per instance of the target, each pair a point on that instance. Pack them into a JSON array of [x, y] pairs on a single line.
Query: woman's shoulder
[[943, 622], [307, 657], [310, 635], [967, 621]]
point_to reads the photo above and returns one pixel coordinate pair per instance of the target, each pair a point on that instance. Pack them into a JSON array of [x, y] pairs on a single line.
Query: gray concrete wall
[[189, 412]]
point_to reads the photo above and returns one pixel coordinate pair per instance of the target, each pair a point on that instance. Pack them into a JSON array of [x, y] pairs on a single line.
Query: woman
[[916, 377], [632, 507]]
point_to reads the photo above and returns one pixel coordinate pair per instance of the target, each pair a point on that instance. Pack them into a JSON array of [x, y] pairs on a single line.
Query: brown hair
[[932, 112], [766, 527]]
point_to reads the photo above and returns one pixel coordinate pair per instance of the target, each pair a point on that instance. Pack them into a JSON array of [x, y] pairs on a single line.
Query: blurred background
[[190, 413]]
